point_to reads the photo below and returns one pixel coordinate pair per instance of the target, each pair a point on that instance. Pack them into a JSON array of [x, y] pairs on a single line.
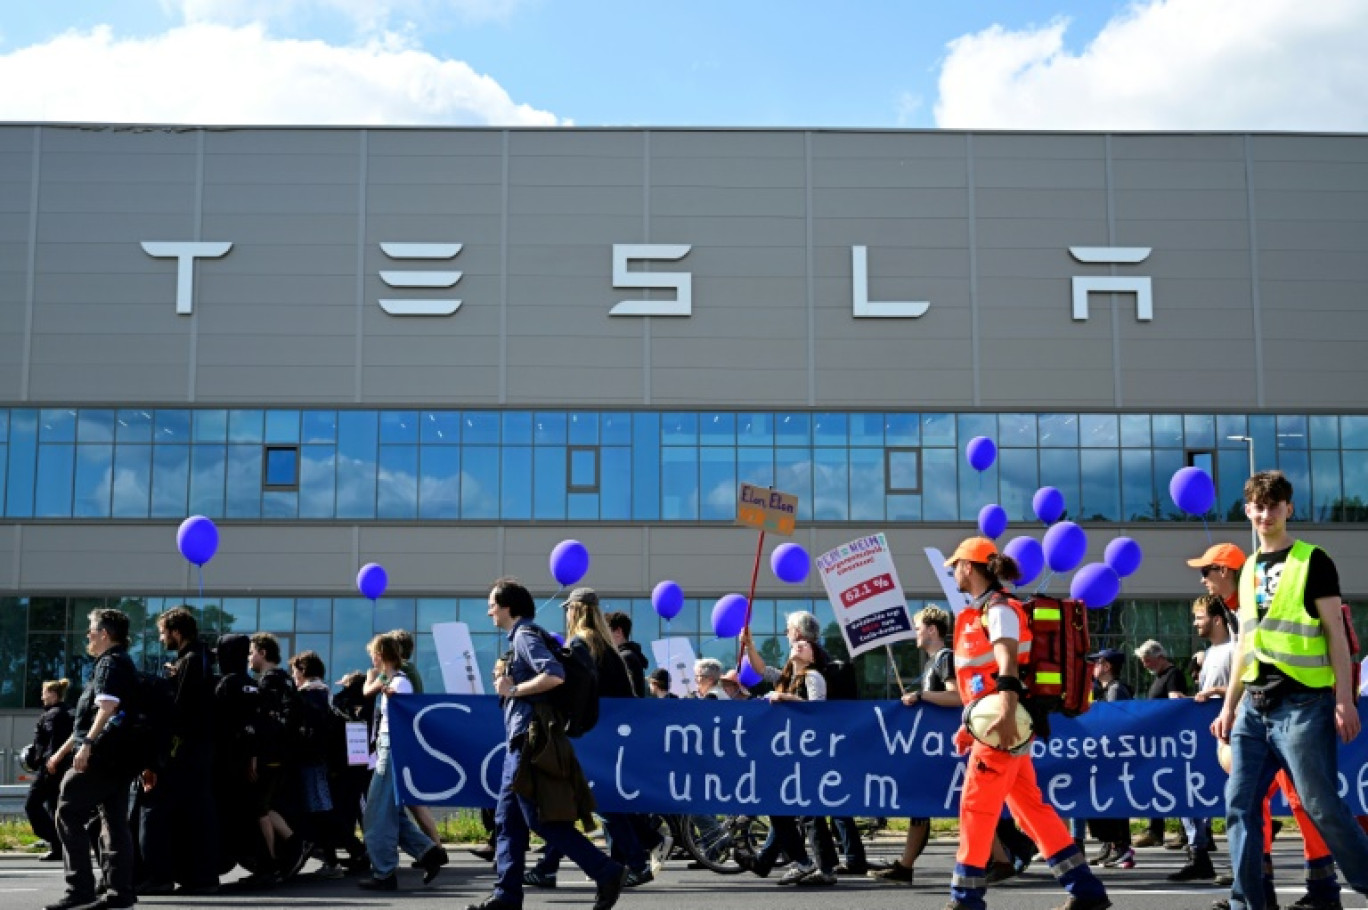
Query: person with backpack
[[531, 672], [801, 679], [102, 768], [278, 720], [992, 647], [620, 624], [322, 735]]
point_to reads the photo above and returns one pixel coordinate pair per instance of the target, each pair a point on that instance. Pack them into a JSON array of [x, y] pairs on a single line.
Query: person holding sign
[[992, 642]]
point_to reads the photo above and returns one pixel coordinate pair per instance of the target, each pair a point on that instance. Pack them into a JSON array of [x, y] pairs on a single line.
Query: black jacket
[[192, 680], [636, 665], [52, 730]]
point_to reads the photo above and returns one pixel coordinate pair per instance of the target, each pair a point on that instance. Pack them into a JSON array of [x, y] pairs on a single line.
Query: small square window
[[280, 468], [903, 470], [583, 468]]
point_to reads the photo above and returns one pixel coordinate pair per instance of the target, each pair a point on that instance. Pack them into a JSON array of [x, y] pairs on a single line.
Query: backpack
[[1058, 677], [281, 713], [840, 680], [321, 734], [138, 737], [575, 701]]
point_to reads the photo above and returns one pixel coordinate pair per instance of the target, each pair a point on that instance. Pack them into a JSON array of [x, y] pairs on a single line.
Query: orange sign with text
[[766, 509]]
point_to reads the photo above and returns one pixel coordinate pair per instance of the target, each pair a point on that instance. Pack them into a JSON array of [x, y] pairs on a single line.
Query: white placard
[[955, 599], [456, 653], [358, 743], [862, 584], [677, 656]]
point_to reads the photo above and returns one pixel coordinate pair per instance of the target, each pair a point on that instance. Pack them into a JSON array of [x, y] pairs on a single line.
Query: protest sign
[[456, 654], [677, 656], [766, 509], [862, 584]]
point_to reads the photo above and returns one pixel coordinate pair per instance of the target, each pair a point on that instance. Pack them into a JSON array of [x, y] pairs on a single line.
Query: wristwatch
[[513, 692]]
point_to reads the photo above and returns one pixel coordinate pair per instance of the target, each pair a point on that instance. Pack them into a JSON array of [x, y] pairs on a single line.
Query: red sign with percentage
[[867, 589]]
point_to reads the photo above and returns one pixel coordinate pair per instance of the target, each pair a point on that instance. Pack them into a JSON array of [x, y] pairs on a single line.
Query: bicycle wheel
[[715, 840]]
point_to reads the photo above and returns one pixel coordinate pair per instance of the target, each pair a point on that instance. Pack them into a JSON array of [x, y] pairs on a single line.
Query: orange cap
[[974, 549], [1222, 554]]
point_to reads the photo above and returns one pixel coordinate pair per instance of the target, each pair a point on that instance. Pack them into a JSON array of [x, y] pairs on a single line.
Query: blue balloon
[[981, 452], [790, 563], [1096, 584], [1029, 557], [668, 599], [1065, 544], [197, 539], [560, 639], [747, 675], [1048, 504], [992, 520], [1193, 491], [569, 562], [1123, 555], [372, 580], [729, 616]]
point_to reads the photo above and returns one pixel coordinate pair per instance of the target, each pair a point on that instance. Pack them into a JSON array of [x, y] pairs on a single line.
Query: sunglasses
[[1207, 570]]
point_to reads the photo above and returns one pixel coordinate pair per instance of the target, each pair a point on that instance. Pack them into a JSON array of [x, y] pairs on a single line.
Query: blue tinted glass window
[[396, 492], [170, 480], [4, 474], [394, 613], [793, 429], [867, 429], [1016, 430], [317, 481], [904, 470], [277, 615], [1101, 485], [318, 426], [1297, 466], [971, 425], [976, 488], [208, 470], [517, 428], [210, 426], [1292, 431], [1355, 465], [549, 486], [1354, 431], [94, 474], [1018, 480], [615, 483], [244, 481], [4, 425], [548, 428], [57, 425], [1058, 430], [679, 483], [480, 427], [1098, 431], [867, 483], [282, 466], [441, 428], [1059, 468], [93, 425], [902, 429], [171, 426], [239, 615], [357, 451], [480, 482], [831, 484], [1326, 486], [516, 483], [134, 426], [1232, 469], [939, 484], [439, 487], [1135, 431], [582, 506], [938, 429], [432, 610], [830, 429], [717, 478], [397, 427], [1203, 460], [1325, 431], [1199, 431], [755, 429], [1228, 425], [56, 469], [1167, 462], [615, 429], [1137, 485], [1263, 431], [584, 468], [584, 428], [717, 428], [793, 474], [132, 480], [280, 504], [1167, 431], [246, 426], [679, 428], [755, 466], [282, 426], [645, 467]]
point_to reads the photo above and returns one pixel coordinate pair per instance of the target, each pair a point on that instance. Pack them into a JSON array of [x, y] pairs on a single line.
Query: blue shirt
[[528, 657]]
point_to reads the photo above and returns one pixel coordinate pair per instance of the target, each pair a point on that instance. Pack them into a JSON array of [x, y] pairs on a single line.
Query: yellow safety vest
[[1288, 637]]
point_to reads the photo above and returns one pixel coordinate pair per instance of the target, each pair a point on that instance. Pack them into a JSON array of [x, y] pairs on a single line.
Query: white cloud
[[367, 15], [218, 74], [1169, 65]]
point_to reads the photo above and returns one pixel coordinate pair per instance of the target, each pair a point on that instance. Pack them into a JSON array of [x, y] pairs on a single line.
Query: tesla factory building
[[447, 350]]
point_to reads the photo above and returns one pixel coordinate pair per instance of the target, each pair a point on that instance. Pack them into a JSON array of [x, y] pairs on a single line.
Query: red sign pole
[[750, 598]]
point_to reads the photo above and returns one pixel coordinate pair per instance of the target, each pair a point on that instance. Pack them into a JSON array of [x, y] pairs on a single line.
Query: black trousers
[[178, 830], [41, 807], [85, 794]]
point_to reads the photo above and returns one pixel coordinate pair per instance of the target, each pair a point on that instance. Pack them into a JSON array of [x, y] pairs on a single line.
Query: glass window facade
[[651, 466]]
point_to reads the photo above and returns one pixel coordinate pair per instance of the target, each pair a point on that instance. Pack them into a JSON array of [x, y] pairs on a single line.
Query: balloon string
[[552, 598], [1046, 583], [1207, 528], [201, 584]]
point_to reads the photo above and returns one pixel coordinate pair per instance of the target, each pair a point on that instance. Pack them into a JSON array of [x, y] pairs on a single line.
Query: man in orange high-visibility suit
[[993, 638]]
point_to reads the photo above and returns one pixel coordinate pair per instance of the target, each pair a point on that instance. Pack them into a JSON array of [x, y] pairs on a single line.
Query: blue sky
[[1061, 64]]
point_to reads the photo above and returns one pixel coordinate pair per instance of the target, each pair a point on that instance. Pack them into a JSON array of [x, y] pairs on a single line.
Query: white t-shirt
[[1003, 623], [1216, 666], [401, 686]]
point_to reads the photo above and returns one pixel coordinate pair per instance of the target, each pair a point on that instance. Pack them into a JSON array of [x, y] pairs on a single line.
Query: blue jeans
[[1299, 734], [515, 818], [622, 842], [386, 824]]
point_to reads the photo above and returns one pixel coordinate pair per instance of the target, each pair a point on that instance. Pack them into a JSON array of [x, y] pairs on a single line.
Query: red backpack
[[1060, 678]]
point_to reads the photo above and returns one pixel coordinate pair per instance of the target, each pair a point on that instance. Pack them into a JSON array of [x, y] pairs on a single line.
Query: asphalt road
[[27, 883]]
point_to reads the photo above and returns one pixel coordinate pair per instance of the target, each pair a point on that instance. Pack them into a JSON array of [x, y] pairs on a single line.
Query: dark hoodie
[[636, 665], [236, 699]]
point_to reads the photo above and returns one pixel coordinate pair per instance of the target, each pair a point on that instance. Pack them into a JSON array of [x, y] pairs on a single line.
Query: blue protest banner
[[1122, 759]]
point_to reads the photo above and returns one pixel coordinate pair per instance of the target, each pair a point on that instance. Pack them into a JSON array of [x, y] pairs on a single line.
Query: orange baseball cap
[[1222, 554], [974, 549]]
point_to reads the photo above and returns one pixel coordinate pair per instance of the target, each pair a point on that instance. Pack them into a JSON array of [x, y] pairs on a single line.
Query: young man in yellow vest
[[1289, 697]]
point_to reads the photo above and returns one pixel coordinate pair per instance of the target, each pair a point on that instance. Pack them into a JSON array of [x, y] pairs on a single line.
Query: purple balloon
[[981, 452], [1192, 491], [1029, 557], [372, 580], [790, 563], [197, 539], [729, 615], [1123, 555], [747, 675], [569, 562], [1096, 584], [560, 639], [668, 599], [1048, 504], [1065, 544], [992, 520]]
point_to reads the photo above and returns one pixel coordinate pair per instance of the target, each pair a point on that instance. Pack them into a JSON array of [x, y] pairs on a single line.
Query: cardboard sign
[[456, 654], [677, 656], [862, 584], [766, 509], [358, 743]]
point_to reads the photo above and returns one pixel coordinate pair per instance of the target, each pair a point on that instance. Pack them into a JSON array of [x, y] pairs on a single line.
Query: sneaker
[[817, 879], [661, 852], [1225, 880], [267, 878], [328, 870], [608, 891], [293, 856], [1108, 851], [432, 861], [852, 869], [1270, 903], [534, 879], [154, 889], [1123, 860], [371, 883], [1085, 903], [636, 879], [795, 874], [1198, 869], [896, 874], [1307, 902], [1277, 828], [1147, 840], [71, 902]]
